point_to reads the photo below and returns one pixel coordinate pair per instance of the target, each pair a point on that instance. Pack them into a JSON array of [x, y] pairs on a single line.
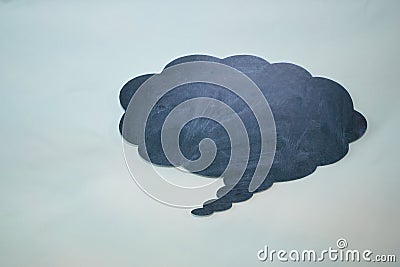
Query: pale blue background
[[66, 197]]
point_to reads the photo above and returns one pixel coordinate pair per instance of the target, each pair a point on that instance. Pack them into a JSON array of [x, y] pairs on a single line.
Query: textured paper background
[[66, 197]]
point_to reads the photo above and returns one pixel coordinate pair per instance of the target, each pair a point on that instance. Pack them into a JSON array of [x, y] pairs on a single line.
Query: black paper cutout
[[314, 117]]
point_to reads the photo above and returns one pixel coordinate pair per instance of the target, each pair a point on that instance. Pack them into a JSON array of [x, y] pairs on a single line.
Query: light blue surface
[[66, 197]]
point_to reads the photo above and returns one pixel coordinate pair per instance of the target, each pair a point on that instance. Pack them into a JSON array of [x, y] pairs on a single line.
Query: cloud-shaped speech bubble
[[240, 118]]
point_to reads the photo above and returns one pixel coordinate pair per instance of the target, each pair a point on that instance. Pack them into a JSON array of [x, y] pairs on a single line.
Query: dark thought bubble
[[293, 122]]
